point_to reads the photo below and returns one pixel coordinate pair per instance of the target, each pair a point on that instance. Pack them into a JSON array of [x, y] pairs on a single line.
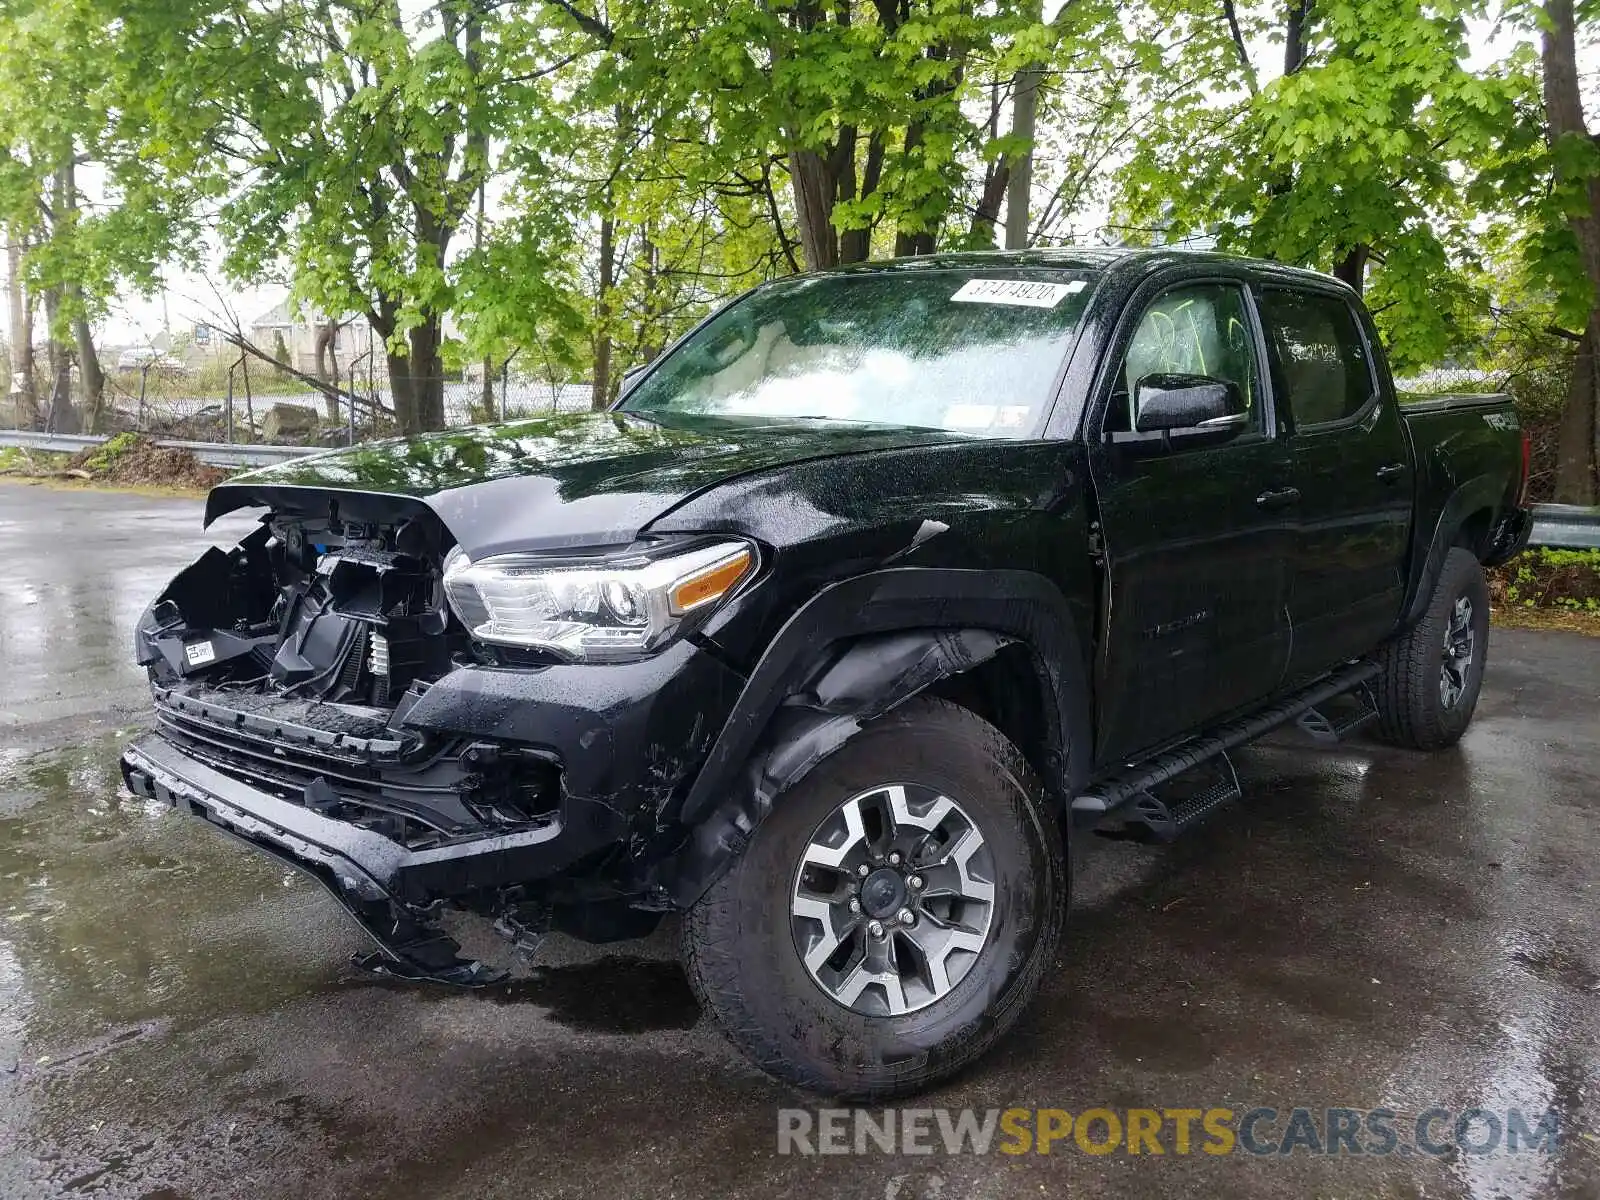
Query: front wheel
[[1431, 675], [892, 916]]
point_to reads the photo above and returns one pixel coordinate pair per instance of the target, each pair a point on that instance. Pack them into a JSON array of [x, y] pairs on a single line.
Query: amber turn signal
[[711, 583]]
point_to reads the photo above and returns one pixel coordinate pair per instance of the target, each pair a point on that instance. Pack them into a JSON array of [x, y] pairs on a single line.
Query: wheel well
[[1007, 691], [1474, 532]]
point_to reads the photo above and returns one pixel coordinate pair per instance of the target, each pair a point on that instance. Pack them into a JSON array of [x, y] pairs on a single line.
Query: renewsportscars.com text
[[1262, 1132]]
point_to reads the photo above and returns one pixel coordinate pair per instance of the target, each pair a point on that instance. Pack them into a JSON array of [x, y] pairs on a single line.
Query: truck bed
[[1469, 470]]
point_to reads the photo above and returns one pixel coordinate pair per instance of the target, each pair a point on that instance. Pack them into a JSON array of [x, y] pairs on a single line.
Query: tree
[[1354, 159], [346, 140], [1575, 172], [22, 387], [69, 102], [855, 110]]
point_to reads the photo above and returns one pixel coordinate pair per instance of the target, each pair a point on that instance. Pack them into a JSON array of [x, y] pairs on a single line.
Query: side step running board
[[1339, 718], [1125, 787], [1146, 817]]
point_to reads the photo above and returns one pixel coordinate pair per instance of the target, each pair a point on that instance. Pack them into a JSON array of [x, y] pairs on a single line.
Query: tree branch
[[593, 26], [1238, 43]]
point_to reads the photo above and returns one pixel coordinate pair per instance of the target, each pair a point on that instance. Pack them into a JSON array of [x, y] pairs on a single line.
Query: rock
[[289, 421]]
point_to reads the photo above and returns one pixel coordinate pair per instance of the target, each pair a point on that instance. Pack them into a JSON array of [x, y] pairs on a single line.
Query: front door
[[1197, 532], [1352, 467]]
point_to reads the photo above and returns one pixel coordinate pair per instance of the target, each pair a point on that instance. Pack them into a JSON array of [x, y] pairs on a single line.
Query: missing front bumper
[[389, 889]]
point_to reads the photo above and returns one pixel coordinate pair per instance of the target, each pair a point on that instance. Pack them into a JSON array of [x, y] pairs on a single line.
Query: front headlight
[[592, 610]]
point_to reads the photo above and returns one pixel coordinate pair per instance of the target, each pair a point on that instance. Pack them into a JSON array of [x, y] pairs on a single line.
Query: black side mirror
[[1172, 402]]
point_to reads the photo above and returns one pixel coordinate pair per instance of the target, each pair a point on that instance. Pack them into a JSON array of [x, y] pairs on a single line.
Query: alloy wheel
[[1460, 645], [893, 899]]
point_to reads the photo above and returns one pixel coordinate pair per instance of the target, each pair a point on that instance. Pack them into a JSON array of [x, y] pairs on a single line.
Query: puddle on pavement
[[114, 911]]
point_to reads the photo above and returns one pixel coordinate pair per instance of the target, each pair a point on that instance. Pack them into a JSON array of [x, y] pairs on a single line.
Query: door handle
[[1279, 497], [1391, 472]]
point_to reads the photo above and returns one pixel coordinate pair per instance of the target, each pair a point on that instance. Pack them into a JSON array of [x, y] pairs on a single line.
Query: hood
[[561, 481]]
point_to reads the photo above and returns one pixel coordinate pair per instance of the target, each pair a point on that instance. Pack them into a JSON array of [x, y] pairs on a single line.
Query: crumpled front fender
[[890, 636]]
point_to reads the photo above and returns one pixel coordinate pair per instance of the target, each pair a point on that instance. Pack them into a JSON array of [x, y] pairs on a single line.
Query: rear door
[[1196, 529], [1352, 467]]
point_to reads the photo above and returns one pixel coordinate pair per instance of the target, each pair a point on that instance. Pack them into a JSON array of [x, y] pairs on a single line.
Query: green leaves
[[342, 145], [1375, 142]]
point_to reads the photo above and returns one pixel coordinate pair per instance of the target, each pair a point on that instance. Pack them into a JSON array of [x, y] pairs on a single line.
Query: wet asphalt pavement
[[1370, 928]]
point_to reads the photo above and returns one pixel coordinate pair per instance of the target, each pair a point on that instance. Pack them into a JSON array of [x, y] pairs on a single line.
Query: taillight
[[1527, 465]]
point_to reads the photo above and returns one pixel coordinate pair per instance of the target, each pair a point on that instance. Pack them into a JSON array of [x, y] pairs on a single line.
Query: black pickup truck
[[869, 595]]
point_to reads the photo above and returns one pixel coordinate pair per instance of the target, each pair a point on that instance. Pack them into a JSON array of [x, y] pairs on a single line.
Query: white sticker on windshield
[[970, 416], [1024, 292], [200, 653]]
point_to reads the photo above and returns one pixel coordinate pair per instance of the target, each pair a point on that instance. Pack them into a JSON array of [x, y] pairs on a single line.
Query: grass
[[1565, 620], [14, 460]]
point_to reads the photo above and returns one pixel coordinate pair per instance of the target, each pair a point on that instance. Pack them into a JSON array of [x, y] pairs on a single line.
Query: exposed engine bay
[[316, 608], [283, 672]]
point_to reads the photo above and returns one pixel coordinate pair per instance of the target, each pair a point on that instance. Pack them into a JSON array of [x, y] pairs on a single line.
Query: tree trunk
[[486, 398], [1352, 268], [908, 243], [813, 207], [249, 401], [1294, 37], [23, 388], [405, 396], [1024, 120], [64, 416], [995, 181], [1576, 433], [855, 244], [327, 332], [427, 373], [91, 376], [1580, 417], [600, 389]]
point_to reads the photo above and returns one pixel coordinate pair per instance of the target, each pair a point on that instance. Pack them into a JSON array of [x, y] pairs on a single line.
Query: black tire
[[741, 955], [1412, 707]]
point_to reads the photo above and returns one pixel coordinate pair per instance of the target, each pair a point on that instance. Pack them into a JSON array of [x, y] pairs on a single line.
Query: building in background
[[312, 346]]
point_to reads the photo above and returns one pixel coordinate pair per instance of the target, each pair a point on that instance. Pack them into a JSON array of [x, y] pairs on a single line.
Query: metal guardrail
[[1565, 527], [1558, 526], [216, 454]]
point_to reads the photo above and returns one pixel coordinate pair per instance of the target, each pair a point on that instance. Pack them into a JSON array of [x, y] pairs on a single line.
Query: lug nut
[[863, 870], [894, 858], [855, 905], [907, 916], [875, 928], [916, 883]]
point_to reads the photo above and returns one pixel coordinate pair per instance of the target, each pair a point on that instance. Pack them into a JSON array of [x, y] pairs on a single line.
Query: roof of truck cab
[[1137, 260]]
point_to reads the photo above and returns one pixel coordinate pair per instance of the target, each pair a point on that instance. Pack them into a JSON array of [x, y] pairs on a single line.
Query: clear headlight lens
[[596, 610]]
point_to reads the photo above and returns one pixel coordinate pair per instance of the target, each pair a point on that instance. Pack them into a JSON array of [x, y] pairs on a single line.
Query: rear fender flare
[[1484, 492], [855, 651]]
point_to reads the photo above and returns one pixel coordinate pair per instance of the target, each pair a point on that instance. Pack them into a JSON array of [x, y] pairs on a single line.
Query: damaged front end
[[319, 697]]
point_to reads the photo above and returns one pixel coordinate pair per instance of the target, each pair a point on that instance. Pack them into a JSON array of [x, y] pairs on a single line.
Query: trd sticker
[[199, 653], [1023, 292], [1501, 420]]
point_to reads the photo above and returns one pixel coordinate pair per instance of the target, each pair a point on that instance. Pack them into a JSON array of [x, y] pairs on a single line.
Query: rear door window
[[1320, 360]]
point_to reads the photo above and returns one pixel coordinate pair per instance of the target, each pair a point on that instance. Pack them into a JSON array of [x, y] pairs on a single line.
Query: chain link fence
[[249, 403]]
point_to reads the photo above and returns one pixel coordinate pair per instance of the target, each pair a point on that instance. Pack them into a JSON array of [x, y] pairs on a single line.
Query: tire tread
[[1407, 689], [711, 960]]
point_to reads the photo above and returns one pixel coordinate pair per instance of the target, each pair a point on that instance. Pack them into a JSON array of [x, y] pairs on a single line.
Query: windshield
[[974, 351]]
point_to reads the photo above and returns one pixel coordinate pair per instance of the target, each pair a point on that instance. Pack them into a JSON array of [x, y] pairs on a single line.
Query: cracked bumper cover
[[359, 864], [627, 739]]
